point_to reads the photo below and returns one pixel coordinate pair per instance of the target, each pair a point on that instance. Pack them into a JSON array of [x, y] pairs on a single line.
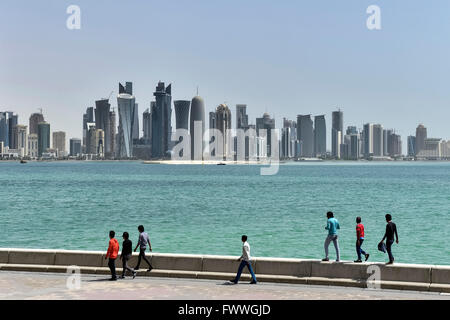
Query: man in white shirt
[[245, 261]]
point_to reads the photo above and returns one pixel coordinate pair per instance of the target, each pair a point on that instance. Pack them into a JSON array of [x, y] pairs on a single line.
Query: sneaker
[[338, 260], [149, 269], [253, 282], [233, 281], [367, 256], [325, 259], [113, 279], [136, 269], [134, 274], [122, 277], [357, 261], [390, 262]]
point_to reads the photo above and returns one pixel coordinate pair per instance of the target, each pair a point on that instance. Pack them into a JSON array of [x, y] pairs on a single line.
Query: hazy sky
[[283, 57]]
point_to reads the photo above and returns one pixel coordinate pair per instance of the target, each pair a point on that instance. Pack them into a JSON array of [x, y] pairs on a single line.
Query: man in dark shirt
[[391, 230], [127, 250]]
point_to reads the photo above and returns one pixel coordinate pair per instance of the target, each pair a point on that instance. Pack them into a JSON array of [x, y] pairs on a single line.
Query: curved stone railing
[[374, 275]]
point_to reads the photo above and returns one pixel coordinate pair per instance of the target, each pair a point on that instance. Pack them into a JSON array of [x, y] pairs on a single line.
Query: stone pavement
[[24, 285]]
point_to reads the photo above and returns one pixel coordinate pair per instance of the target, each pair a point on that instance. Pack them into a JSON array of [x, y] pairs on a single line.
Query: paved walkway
[[24, 285]]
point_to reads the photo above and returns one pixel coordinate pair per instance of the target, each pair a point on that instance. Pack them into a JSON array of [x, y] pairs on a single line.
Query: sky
[[282, 57]]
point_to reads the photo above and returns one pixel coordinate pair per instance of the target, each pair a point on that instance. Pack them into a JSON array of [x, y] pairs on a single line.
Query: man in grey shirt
[[142, 244]]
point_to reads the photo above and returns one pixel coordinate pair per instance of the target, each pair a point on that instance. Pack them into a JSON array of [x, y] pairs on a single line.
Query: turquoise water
[[205, 209]]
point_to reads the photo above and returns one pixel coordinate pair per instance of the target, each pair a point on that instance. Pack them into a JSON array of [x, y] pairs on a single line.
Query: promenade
[[52, 286]]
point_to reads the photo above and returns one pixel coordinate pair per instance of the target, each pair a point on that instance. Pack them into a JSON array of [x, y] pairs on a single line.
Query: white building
[[33, 145]]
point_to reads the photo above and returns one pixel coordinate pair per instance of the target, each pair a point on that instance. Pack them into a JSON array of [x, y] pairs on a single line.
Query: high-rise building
[[147, 125], [125, 103], [20, 139], [35, 119], [33, 151], [411, 146], [320, 136], [75, 147], [182, 117], [88, 117], [368, 140], [102, 121], [337, 133], [112, 134], [161, 121], [378, 140], [43, 137], [7, 123], [288, 138], [305, 134], [197, 120], [223, 117], [59, 143], [135, 135], [182, 108], [265, 123], [421, 136], [241, 116]]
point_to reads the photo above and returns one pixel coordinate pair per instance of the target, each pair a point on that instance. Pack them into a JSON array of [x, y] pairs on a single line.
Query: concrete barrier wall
[[425, 274]]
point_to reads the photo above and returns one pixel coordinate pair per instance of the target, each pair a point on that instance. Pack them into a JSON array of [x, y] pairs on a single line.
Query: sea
[[204, 209]]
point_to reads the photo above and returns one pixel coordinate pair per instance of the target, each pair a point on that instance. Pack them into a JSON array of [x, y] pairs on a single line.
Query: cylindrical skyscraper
[[197, 141]]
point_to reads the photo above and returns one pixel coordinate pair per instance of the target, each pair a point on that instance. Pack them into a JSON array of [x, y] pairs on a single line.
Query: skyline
[[285, 59]]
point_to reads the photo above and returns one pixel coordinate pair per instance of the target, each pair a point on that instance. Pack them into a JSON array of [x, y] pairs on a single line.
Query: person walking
[[391, 230], [245, 262], [113, 251], [360, 240], [332, 227], [142, 244], [125, 256]]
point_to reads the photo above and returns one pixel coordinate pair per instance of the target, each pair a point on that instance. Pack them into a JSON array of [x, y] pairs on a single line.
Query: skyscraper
[[125, 103], [320, 136], [59, 143], [411, 146], [147, 125], [102, 121], [182, 113], [337, 133], [112, 134], [197, 140], [421, 136], [88, 117], [35, 119], [161, 121], [265, 123], [305, 134], [21, 139], [223, 117], [13, 121], [75, 147], [377, 140], [43, 137], [368, 140], [241, 116]]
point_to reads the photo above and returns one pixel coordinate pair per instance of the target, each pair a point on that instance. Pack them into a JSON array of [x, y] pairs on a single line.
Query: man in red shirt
[[113, 251], [360, 240]]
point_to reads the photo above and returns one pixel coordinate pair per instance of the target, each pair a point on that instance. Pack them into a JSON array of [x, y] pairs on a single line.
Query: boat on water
[[23, 161], [221, 164]]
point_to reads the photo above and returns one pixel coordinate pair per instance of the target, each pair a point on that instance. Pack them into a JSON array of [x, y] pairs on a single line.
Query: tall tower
[[320, 136], [35, 119], [161, 121], [305, 134], [223, 117], [197, 140], [43, 137], [421, 135], [102, 122], [126, 106], [337, 133]]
